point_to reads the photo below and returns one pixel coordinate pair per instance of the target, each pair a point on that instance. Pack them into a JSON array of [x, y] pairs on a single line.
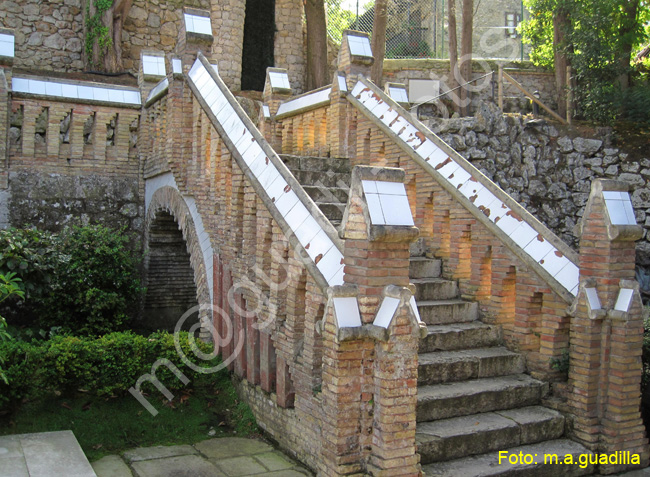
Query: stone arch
[[167, 203]]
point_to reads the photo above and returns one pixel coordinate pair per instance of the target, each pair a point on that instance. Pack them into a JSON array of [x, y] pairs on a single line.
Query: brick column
[[276, 90], [607, 332]]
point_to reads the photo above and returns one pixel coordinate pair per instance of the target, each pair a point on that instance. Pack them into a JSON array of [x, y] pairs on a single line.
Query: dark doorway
[[259, 36], [170, 279]]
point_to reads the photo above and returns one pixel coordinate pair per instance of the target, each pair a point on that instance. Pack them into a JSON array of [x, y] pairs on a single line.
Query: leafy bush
[[84, 280], [103, 366], [8, 288]]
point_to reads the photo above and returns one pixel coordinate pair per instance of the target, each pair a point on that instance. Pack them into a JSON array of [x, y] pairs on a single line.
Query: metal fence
[[414, 28]]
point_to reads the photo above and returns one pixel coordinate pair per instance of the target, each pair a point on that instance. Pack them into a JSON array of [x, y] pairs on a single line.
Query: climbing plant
[[96, 32]]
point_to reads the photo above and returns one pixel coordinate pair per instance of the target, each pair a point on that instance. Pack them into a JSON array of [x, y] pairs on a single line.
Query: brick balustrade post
[[277, 89], [370, 336], [607, 332]]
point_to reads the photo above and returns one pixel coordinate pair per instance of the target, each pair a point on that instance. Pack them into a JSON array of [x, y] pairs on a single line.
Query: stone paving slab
[[44, 454], [221, 457]]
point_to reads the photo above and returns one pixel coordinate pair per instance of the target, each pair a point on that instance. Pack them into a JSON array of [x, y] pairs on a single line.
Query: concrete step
[[457, 437], [457, 336], [333, 211], [487, 465], [427, 289], [322, 179], [449, 366], [442, 401], [423, 267], [443, 312], [320, 164], [327, 194]]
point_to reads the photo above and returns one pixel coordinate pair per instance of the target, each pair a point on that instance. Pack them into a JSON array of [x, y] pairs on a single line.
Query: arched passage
[[175, 271]]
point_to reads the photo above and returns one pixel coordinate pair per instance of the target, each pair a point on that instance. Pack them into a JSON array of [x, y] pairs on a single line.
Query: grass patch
[[208, 407]]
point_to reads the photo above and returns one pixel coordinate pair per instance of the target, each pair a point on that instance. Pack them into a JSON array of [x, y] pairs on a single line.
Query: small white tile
[[616, 212], [70, 91], [375, 210], [101, 94], [338, 278], [538, 250], [459, 178], [177, 66], [279, 80], [342, 83], [259, 165], [242, 141], [116, 95], [425, 148], [553, 262], [399, 125], [85, 92], [7, 45], [20, 85], [624, 299], [592, 298], [132, 97], [53, 89], [448, 169], [196, 70], [268, 176], [414, 308], [202, 25], [398, 94], [252, 153], [296, 216], [437, 157], [380, 109], [286, 202], [612, 195], [307, 231], [569, 276], [36, 87], [358, 88], [347, 312], [330, 263], [267, 111], [319, 245], [396, 210], [523, 235], [359, 46], [390, 188], [497, 210], [276, 188], [369, 187], [482, 198], [386, 312], [389, 117], [507, 224], [189, 22]]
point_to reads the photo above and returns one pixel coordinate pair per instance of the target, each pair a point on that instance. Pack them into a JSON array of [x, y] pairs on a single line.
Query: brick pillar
[[355, 58], [276, 90], [337, 117], [606, 334], [370, 336]]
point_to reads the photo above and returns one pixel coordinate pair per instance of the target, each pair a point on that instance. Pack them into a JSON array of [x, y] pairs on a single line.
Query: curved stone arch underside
[[162, 194]]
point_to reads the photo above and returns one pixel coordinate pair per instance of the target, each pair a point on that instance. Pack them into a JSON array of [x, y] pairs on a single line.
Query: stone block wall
[[548, 169]]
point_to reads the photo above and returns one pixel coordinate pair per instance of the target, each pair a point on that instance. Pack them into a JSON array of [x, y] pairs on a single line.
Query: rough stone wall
[[49, 33], [547, 170], [289, 44]]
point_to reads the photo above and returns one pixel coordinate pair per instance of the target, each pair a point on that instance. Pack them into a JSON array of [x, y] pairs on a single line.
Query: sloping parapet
[[528, 238], [299, 217]]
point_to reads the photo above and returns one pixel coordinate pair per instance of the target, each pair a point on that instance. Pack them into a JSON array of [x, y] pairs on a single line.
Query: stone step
[[457, 336], [322, 179], [449, 366], [487, 465], [442, 401], [457, 437], [427, 289], [442, 312], [423, 267], [327, 194], [320, 164], [333, 211]]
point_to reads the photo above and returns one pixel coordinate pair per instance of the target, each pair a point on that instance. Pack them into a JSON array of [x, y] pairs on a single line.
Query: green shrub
[[104, 366], [9, 286]]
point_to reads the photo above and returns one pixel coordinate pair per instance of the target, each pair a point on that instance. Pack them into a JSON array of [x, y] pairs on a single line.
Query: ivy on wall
[[96, 32]]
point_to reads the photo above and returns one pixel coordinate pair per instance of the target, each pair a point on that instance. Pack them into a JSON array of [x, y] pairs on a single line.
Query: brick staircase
[[474, 398]]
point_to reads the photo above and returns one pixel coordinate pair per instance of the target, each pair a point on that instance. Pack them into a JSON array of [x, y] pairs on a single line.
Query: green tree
[[9, 286], [598, 38]]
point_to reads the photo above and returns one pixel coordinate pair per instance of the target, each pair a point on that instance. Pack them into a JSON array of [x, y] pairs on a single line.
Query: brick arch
[[169, 199]]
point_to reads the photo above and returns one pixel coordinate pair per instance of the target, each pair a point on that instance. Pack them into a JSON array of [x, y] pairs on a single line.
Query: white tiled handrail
[[483, 198], [302, 221]]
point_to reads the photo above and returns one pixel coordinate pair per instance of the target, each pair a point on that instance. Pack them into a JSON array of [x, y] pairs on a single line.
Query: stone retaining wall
[[547, 170]]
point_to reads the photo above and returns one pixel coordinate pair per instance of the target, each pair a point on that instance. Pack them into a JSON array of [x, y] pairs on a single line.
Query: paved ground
[[223, 457]]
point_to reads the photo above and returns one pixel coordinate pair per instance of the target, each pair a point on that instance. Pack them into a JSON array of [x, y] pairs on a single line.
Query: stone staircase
[[326, 180], [474, 399]]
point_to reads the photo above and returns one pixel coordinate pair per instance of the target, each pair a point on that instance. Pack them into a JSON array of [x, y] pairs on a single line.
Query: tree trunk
[[561, 30], [317, 68], [379, 41], [626, 33], [453, 56], [466, 55]]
